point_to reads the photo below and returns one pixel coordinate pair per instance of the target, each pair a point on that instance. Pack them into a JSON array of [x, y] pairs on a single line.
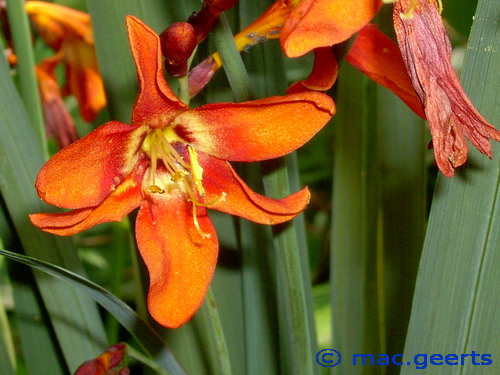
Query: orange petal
[[377, 56], [256, 130], [156, 103], [126, 197], [323, 75], [180, 261], [85, 172], [220, 180], [322, 23]]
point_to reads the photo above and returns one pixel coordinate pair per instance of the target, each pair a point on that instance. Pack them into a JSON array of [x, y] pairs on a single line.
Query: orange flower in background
[[426, 51], [172, 163], [302, 26], [69, 33]]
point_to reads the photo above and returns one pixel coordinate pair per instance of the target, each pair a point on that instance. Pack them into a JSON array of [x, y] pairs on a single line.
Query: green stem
[[233, 64], [292, 304], [28, 84], [220, 342]]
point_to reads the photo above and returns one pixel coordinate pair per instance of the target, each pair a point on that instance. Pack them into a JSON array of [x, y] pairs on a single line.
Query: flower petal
[[323, 75], [220, 180], [256, 130], [377, 56], [85, 172], [180, 261], [322, 23], [156, 104], [119, 203]]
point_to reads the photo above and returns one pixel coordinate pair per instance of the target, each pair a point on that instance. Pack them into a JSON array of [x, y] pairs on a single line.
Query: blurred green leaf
[[355, 262], [28, 84]]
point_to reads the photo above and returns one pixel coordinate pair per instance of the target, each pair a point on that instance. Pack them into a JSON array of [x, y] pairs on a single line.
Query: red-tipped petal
[[180, 261], [256, 130], [156, 103], [224, 186], [85, 172], [377, 56], [323, 75], [126, 197], [58, 122], [322, 23]]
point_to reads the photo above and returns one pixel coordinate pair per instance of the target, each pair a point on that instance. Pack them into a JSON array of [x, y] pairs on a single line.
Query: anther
[[155, 189]]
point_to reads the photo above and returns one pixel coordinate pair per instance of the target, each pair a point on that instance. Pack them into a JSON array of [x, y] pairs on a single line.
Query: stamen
[[170, 149], [440, 6], [189, 176], [155, 189], [197, 224], [196, 171]]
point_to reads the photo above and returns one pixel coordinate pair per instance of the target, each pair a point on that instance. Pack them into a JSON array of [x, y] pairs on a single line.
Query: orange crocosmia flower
[[452, 117], [106, 363], [172, 162], [69, 32]]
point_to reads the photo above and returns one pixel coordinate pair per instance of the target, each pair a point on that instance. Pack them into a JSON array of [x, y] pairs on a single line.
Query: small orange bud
[[178, 42]]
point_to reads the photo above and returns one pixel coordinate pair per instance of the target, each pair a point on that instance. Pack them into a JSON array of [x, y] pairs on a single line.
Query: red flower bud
[[178, 42]]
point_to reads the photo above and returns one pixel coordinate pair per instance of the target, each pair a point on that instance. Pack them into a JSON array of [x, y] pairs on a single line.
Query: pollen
[[169, 171]]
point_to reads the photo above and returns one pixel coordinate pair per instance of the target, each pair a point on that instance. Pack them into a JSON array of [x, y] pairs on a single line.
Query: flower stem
[[220, 342], [293, 308]]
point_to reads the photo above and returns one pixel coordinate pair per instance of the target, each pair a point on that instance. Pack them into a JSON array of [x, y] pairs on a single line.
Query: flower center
[[181, 175]]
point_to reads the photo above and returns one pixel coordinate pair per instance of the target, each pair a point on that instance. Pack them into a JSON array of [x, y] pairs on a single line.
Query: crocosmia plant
[[249, 187]]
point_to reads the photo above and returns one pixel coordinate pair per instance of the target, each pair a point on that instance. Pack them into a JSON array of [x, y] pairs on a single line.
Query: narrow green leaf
[[456, 308], [145, 335], [233, 64], [355, 216], [7, 356], [28, 85]]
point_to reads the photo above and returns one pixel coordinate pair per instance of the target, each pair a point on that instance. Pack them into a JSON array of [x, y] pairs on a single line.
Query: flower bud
[[178, 42]]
